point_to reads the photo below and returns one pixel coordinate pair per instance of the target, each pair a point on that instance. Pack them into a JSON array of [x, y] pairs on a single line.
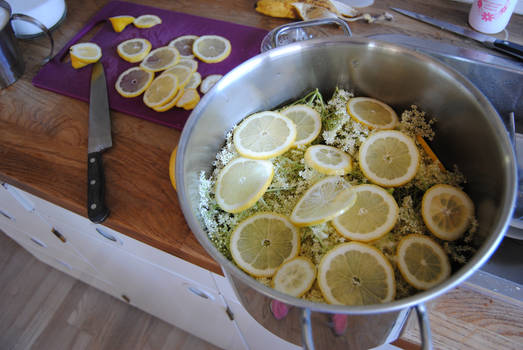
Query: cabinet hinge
[[229, 313]]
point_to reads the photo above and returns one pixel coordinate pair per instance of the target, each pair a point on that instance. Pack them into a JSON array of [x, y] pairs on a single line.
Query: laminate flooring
[[43, 308]]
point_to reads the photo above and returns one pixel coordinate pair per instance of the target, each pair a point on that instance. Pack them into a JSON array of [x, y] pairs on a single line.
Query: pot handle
[[312, 23], [423, 321], [32, 20]]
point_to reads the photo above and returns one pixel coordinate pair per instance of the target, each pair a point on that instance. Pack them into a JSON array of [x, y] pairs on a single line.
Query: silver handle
[[38, 242], [311, 23], [423, 321], [44, 29], [518, 211]]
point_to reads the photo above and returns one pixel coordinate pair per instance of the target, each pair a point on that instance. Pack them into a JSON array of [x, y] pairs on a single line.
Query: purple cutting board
[[60, 77]]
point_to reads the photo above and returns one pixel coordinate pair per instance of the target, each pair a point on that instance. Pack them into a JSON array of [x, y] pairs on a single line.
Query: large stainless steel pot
[[469, 134]]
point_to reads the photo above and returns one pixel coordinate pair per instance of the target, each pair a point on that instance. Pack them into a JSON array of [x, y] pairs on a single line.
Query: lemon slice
[[242, 182], [373, 215], [372, 113], [161, 91], [430, 152], [147, 21], [307, 120], [84, 53], [211, 48], [181, 72], [264, 135], [133, 82], [389, 158], [120, 22], [184, 45], [160, 59], [447, 211], [328, 160], [356, 274], [295, 277], [172, 167], [262, 242], [134, 50], [422, 262], [325, 200], [194, 81], [189, 99], [189, 63], [209, 82], [170, 104]]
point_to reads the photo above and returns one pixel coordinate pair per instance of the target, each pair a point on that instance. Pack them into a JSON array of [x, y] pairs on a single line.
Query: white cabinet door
[[179, 301]]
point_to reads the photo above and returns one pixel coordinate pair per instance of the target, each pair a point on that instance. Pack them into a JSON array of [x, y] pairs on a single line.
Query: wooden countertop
[[43, 135]]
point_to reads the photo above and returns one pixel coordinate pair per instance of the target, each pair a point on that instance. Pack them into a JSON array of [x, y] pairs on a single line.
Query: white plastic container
[[491, 16], [48, 12]]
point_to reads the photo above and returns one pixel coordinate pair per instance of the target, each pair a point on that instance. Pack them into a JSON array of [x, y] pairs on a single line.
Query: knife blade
[[504, 46], [99, 140]]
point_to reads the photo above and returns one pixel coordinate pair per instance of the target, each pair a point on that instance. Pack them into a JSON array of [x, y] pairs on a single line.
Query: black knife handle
[[96, 209], [509, 47]]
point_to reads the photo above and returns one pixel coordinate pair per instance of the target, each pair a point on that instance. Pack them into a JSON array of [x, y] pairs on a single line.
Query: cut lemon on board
[[161, 91], [172, 167], [184, 45], [328, 160], [120, 22], [189, 99], [84, 53], [447, 211], [194, 81], [181, 72], [422, 262], [372, 113], [211, 48], [160, 59], [242, 182], [389, 158], [295, 277], [356, 274], [133, 82], [147, 21], [325, 200], [307, 120], [209, 82], [264, 135], [373, 215], [262, 242], [134, 50], [189, 63], [170, 104]]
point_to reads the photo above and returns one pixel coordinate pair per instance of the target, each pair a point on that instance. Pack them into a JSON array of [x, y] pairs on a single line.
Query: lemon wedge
[[211, 48], [373, 215], [372, 113], [262, 242], [356, 274], [328, 160], [134, 50], [307, 120], [147, 21], [83, 54], [295, 276], [422, 262], [133, 82], [242, 182], [264, 135], [120, 22], [389, 158], [325, 200], [446, 211]]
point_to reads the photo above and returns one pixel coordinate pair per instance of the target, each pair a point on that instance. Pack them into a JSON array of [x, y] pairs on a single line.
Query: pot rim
[[480, 257]]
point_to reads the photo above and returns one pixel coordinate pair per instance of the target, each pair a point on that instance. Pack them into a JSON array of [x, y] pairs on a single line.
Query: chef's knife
[[99, 140], [504, 46]]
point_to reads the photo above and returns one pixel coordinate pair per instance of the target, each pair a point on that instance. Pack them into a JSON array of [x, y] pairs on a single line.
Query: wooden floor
[[43, 308]]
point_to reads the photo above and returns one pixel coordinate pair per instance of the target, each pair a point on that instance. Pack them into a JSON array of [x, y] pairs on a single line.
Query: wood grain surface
[[43, 145]]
